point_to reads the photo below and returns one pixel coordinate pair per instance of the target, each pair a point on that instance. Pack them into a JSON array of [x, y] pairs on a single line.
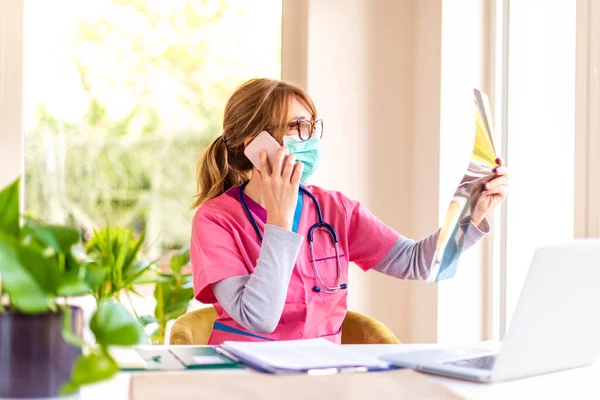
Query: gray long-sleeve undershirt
[[256, 301]]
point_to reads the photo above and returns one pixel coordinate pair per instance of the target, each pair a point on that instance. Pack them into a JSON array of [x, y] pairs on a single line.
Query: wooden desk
[[581, 383]]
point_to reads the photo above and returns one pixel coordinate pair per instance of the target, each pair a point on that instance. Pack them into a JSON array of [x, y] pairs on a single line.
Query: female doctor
[[272, 253]]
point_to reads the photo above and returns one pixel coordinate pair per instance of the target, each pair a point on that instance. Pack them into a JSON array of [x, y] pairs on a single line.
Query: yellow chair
[[195, 327]]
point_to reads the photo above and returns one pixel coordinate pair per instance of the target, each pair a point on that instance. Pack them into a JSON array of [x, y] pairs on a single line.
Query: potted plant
[[42, 352], [114, 267], [173, 292]]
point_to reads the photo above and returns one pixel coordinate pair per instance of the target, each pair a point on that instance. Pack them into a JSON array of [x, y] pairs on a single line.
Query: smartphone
[[264, 140]]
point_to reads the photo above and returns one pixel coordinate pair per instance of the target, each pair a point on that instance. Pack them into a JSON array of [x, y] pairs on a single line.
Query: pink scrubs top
[[224, 244]]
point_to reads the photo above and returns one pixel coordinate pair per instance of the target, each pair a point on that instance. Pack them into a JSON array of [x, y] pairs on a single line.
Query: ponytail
[[257, 105], [215, 174]]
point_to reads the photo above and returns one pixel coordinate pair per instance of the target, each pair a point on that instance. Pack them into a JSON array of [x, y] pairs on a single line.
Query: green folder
[[153, 360], [203, 358], [171, 359]]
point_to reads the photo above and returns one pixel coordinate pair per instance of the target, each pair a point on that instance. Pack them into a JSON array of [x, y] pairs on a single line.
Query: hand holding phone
[[265, 141], [279, 183]]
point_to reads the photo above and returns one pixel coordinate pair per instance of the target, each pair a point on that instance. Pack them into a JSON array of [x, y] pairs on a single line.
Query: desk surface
[[581, 383]]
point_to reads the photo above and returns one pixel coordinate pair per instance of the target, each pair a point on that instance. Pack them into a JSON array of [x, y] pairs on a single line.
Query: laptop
[[556, 324]]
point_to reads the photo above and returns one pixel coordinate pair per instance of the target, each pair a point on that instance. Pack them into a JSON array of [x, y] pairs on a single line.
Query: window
[[540, 133], [121, 96]]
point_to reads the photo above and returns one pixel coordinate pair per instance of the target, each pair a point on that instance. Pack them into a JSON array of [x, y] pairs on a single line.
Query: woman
[[250, 248]]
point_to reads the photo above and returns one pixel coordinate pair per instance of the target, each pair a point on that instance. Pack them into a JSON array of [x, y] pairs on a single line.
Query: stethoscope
[[319, 225]]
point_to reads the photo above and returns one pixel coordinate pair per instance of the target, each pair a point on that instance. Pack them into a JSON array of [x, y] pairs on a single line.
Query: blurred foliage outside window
[[121, 96]]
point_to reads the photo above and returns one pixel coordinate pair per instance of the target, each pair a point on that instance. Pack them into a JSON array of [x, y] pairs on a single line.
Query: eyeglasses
[[307, 129]]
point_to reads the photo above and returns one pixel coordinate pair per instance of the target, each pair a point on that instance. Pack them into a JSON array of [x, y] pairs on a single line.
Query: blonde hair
[[255, 106]]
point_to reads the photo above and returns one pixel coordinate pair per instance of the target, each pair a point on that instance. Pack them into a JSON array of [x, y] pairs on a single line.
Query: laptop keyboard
[[485, 362]]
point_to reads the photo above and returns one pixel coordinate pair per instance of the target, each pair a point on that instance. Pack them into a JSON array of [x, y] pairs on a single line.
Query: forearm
[[256, 301], [409, 259], [475, 232]]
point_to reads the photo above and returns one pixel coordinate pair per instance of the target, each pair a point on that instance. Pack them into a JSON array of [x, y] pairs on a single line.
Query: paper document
[[450, 243], [208, 360], [300, 355]]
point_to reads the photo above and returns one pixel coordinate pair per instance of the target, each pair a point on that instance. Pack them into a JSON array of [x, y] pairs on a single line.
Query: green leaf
[[164, 277], [134, 291], [147, 320], [187, 281], [147, 276], [26, 294], [94, 276], [134, 249], [71, 285], [172, 300], [179, 294], [100, 248], [72, 263], [67, 330], [9, 210], [159, 295], [162, 291], [41, 234], [68, 388], [43, 269], [134, 270], [94, 247], [180, 260], [67, 237], [176, 310], [94, 367], [115, 249], [59, 238], [112, 324], [121, 250]]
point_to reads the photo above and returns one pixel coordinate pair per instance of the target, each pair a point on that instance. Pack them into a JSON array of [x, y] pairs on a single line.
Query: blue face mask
[[308, 152]]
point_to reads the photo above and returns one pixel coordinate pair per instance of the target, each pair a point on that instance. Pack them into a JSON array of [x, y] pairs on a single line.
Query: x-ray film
[[455, 227]]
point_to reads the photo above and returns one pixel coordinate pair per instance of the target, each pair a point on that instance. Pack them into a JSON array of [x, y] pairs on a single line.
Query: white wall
[[541, 133], [337, 36], [464, 65], [11, 67], [361, 74], [375, 70], [587, 119]]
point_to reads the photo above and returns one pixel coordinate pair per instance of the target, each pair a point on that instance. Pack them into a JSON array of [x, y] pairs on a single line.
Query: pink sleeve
[[214, 254], [369, 239]]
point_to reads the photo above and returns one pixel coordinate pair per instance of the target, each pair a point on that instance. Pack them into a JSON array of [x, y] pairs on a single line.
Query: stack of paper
[[299, 356]]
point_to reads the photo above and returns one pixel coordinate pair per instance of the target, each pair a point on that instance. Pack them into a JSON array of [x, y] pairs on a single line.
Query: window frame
[[587, 121], [11, 92]]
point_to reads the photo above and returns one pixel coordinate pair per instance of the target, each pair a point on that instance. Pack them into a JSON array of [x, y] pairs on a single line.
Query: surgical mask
[[306, 151]]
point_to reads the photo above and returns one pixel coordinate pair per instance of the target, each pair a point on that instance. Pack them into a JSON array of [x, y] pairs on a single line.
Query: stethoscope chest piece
[[317, 289]]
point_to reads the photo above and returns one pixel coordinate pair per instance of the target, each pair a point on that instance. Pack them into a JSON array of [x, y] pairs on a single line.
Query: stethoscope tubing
[[319, 225]]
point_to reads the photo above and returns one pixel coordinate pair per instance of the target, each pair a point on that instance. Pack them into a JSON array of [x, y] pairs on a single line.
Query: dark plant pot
[[34, 358]]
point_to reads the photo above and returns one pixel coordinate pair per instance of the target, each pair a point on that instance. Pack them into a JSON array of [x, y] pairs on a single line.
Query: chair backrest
[[358, 328], [195, 327]]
